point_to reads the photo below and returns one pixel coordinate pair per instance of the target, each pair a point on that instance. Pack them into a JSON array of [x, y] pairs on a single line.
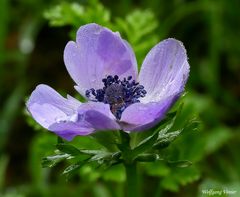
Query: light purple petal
[[164, 71], [98, 52], [140, 116], [45, 94], [69, 130], [46, 114], [56, 113], [99, 116]]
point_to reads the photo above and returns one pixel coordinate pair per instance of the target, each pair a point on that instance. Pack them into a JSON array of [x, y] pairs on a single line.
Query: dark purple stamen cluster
[[119, 94]]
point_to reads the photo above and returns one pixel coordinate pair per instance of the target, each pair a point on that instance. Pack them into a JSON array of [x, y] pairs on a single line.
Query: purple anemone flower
[[104, 67]]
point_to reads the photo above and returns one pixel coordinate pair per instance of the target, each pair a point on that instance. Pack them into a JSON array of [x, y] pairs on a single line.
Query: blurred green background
[[33, 34]]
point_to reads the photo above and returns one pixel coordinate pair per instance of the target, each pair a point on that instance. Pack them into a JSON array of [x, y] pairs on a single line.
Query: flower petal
[[44, 94], [164, 71], [140, 116], [46, 114], [99, 116], [69, 130], [56, 113], [98, 52]]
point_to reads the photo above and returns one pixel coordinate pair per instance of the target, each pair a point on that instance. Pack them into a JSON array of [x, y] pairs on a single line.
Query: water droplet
[[93, 80], [73, 118], [60, 119]]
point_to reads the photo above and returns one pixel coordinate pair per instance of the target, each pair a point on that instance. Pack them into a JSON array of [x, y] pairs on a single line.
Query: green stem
[[132, 187], [132, 179]]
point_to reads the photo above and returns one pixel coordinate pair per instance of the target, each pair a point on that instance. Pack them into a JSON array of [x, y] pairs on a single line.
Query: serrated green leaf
[[101, 157], [69, 149], [180, 176], [72, 168], [191, 125], [75, 14], [51, 161], [64, 14], [164, 140], [167, 123], [167, 126], [142, 24], [93, 152], [159, 138], [144, 145]]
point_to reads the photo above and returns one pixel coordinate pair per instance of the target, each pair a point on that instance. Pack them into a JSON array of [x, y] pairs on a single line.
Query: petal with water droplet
[[45, 94], [164, 71], [57, 113]]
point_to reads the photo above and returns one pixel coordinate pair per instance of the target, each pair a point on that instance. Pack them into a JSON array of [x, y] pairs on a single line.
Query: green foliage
[[180, 177], [137, 27], [75, 15]]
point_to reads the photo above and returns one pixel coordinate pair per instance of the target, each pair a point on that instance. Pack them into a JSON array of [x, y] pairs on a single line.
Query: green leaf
[[158, 137], [158, 168], [69, 149], [72, 169], [142, 24], [64, 14], [148, 157], [51, 161], [86, 143], [166, 123], [108, 139], [191, 125], [179, 164], [180, 176], [217, 138], [144, 145], [75, 14], [93, 152], [164, 140], [101, 157]]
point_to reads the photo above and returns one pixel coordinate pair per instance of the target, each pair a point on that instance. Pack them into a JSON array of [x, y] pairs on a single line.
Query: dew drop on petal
[[93, 80], [73, 118]]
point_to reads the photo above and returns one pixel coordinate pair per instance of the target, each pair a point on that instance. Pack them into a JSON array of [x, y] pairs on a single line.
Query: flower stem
[[132, 179], [132, 187]]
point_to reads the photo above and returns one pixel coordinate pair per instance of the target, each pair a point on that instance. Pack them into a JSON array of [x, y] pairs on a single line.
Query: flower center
[[119, 94]]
